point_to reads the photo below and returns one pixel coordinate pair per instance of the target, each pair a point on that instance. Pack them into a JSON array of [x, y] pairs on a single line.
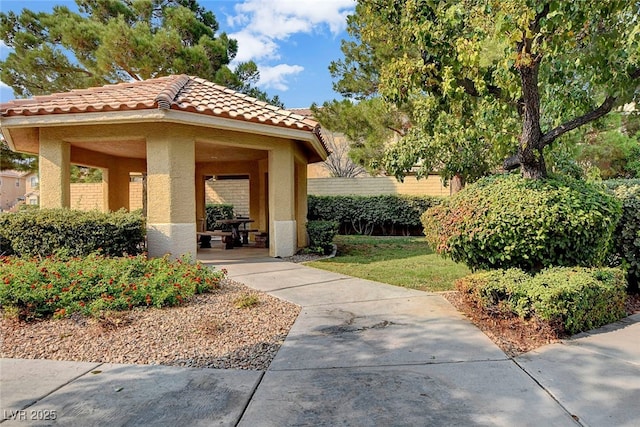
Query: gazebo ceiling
[[144, 101], [136, 149]]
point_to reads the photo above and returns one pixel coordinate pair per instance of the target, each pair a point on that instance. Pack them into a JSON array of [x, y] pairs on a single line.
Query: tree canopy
[[483, 78], [110, 41]]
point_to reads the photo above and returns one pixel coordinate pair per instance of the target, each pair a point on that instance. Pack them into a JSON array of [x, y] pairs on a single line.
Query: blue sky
[[292, 41]]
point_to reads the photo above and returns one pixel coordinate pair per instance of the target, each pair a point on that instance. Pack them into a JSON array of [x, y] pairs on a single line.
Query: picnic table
[[240, 235]]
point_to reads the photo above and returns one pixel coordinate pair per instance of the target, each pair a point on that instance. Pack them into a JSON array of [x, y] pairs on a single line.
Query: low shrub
[[321, 234], [214, 212], [43, 232], [506, 221], [385, 214], [39, 288], [578, 299]]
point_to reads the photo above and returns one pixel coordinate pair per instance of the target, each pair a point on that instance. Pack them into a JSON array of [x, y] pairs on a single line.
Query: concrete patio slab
[[283, 276], [457, 394], [620, 340], [332, 288], [239, 270], [25, 381], [147, 395], [387, 332], [595, 375]]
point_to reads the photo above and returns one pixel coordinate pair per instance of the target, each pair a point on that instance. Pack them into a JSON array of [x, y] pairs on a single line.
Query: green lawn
[[400, 261]]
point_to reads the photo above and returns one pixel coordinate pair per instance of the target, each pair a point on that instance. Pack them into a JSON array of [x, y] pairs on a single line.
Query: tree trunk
[[457, 184], [530, 147]]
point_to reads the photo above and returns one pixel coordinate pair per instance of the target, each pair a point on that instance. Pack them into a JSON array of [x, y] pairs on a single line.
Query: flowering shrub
[[38, 288]]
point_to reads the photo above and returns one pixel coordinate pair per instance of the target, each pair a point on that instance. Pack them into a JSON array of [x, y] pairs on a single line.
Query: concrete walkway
[[360, 353]]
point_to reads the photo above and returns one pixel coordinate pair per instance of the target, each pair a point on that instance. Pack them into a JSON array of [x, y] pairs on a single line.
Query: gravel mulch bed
[[208, 332]]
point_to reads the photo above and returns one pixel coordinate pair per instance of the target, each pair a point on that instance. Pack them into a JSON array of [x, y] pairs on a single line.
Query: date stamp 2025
[[29, 414]]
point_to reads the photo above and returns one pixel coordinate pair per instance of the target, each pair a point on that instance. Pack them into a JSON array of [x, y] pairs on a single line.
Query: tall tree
[[17, 161], [110, 41], [339, 164], [369, 126], [494, 73]]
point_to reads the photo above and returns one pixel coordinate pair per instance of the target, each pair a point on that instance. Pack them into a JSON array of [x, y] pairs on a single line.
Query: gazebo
[[178, 130]]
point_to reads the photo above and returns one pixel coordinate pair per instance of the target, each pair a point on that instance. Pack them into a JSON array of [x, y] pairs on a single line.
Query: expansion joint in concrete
[[575, 417], [253, 392], [390, 365]]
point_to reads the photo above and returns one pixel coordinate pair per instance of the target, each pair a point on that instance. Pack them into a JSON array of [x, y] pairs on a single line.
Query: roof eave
[[166, 116]]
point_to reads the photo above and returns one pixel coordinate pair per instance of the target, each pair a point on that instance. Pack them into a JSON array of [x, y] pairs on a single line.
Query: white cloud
[[254, 47], [274, 77], [3, 85], [267, 22]]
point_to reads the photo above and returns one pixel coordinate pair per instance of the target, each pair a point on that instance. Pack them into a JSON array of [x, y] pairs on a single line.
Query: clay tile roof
[[176, 92]]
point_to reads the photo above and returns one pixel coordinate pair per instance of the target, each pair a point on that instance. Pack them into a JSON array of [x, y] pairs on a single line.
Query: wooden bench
[[205, 238]]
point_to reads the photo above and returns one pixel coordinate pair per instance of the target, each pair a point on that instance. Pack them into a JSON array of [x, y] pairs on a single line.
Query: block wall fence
[[236, 192], [371, 186]]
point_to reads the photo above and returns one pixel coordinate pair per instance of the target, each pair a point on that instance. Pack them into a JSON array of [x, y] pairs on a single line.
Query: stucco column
[[54, 163], [171, 206], [116, 180], [282, 230], [254, 196], [201, 214], [263, 182], [301, 203]]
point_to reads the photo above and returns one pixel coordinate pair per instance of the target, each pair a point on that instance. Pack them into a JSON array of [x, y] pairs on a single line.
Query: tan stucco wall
[[171, 195], [54, 165], [376, 185]]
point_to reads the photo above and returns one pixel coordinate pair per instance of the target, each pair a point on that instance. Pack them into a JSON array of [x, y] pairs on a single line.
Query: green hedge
[[386, 214], [321, 234], [577, 298], [626, 247], [506, 221], [43, 232], [214, 212]]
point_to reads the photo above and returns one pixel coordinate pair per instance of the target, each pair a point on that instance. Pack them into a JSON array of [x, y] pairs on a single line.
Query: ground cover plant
[[36, 288], [400, 261]]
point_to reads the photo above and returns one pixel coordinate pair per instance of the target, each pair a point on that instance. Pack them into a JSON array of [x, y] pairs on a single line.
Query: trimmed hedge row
[[578, 299], [506, 221], [386, 214], [43, 232]]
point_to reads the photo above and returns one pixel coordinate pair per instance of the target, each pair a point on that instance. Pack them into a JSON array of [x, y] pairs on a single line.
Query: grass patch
[[246, 301], [400, 261]]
